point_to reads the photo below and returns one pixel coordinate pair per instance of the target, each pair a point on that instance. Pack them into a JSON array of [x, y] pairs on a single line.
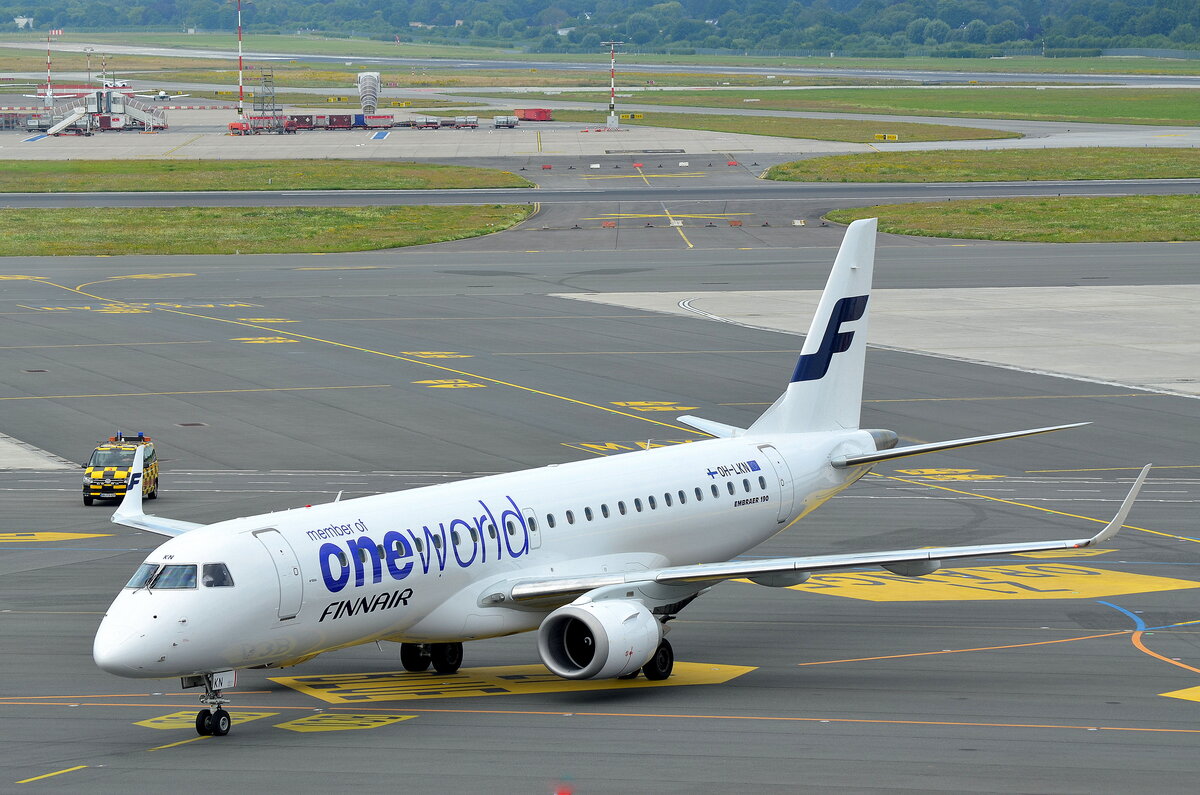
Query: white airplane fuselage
[[413, 566]]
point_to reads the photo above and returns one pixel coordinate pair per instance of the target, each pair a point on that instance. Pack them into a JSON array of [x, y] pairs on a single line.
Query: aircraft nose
[[120, 648]]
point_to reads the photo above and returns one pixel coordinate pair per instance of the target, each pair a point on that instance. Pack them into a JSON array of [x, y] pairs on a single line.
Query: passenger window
[[491, 531], [667, 499], [637, 504], [587, 513], [651, 503], [682, 497], [420, 547], [343, 561], [621, 507], [746, 484], [454, 537], [474, 536], [533, 523], [729, 484], [716, 492], [549, 520], [604, 510], [570, 517], [762, 482], [174, 577], [142, 577], [216, 575], [437, 543]]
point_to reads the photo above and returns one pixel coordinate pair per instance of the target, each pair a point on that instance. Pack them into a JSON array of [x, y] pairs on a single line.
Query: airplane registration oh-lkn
[[595, 556]]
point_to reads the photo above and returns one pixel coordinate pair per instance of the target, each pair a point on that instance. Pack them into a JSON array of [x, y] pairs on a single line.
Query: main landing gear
[[446, 658], [659, 666], [215, 722]]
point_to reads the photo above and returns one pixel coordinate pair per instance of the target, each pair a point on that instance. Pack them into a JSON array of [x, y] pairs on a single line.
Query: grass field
[[316, 45], [816, 129], [1110, 105], [1001, 165], [56, 176], [248, 230], [1106, 219]]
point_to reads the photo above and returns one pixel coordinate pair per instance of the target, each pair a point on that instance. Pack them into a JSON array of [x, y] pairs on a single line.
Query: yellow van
[[106, 474]]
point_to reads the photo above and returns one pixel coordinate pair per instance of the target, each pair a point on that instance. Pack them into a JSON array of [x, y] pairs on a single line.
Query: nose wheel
[[212, 722]]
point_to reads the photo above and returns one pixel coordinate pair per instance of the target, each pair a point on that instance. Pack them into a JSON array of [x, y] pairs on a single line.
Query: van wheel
[[153, 495], [88, 500]]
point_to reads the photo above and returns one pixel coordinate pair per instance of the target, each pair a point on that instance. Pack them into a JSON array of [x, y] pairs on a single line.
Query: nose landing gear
[[214, 722]]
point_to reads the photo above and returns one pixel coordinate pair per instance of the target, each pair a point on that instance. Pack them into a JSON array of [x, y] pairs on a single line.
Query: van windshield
[[111, 458]]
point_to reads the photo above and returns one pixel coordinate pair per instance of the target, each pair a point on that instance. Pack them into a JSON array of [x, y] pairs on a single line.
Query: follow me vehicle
[[595, 556]]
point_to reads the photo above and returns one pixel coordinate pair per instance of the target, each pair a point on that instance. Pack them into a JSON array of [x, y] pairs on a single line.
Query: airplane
[[114, 83], [595, 556], [161, 96]]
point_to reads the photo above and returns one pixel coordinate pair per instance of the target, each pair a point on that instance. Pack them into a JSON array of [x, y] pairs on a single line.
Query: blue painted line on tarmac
[[1137, 620], [379, 136], [34, 138]]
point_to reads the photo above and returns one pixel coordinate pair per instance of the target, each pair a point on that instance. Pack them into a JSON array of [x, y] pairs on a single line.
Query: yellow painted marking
[[15, 277], [498, 681], [966, 476], [450, 383], [55, 773], [267, 320], [195, 392], [185, 143], [98, 345], [626, 353], [187, 719], [1006, 397], [678, 226], [150, 276], [262, 340], [128, 307], [1187, 694], [605, 448], [521, 387], [963, 651], [1034, 507], [701, 216], [17, 538], [935, 471], [988, 583], [181, 742], [438, 354], [653, 405], [337, 722], [1089, 552]]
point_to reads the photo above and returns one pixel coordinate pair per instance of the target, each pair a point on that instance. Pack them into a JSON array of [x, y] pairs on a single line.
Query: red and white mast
[[613, 121]]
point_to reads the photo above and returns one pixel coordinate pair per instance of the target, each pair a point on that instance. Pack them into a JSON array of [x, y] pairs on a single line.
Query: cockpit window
[[141, 577], [216, 575], [111, 458], [175, 577]]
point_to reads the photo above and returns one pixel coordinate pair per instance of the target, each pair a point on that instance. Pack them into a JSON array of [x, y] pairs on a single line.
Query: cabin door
[[783, 481], [287, 567]]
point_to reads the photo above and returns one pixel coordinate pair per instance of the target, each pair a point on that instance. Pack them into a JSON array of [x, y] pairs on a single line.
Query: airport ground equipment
[[466, 122], [499, 122], [534, 114], [106, 474], [368, 91]]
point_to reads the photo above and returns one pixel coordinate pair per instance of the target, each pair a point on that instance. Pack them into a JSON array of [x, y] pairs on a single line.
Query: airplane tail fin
[[825, 393]]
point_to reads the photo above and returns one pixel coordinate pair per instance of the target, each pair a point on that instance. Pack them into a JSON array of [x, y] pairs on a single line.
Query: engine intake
[[598, 640]]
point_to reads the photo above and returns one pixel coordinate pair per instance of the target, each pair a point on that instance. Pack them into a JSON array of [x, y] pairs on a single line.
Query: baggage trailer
[[303, 122], [499, 122], [534, 114], [466, 122], [340, 121], [376, 122], [427, 123]]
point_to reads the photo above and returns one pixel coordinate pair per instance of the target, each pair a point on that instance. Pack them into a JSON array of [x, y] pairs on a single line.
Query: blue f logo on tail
[[813, 366]]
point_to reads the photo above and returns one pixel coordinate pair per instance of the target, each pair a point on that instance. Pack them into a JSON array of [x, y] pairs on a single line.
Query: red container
[[534, 114]]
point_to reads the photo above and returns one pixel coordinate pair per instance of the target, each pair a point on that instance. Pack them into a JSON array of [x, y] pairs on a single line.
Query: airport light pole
[[613, 121], [241, 85], [88, 52]]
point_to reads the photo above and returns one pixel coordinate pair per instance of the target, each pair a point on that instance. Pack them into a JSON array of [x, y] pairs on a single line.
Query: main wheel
[[204, 722], [414, 657], [661, 663], [88, 500], [446, 657], [220, 723], [632, 675]]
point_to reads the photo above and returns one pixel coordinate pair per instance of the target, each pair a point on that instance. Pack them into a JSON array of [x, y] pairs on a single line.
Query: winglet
[[1118, 521]]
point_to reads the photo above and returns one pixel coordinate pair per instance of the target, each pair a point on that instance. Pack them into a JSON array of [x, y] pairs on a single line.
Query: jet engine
[[599, 640]]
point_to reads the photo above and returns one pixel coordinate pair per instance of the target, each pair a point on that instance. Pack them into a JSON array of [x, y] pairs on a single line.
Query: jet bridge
[[105, 102], [368, 91]]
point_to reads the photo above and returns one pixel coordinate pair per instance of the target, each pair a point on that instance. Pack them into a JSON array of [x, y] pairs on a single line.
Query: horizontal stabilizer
[[712, 427], [129, 512], [933, 447]]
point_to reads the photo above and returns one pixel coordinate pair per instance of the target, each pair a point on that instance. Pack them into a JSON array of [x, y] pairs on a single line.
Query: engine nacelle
[[599, 640]]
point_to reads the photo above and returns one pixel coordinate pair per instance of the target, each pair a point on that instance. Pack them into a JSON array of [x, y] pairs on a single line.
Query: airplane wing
[[792, 571], [129, 512]]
